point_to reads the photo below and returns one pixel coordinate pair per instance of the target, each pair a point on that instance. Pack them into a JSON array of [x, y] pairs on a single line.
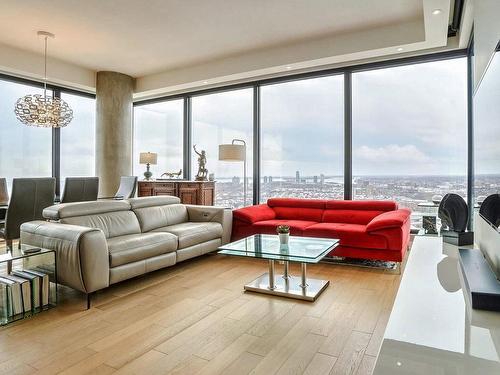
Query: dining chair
[[80, 189], [4, 200], [127, 187], [29, 197]]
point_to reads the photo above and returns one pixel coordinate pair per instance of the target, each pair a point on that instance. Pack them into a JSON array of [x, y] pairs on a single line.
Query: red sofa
[[366, 229]]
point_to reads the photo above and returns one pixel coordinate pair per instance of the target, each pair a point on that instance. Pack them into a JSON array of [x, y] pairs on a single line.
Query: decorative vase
[[284, 237]]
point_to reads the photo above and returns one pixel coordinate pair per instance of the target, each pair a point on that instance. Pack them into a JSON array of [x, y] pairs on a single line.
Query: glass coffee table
[[304, 250]]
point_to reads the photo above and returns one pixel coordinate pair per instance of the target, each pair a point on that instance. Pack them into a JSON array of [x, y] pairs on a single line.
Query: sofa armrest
[[252, 214], [221, 215], [81, 252], [390, 219]]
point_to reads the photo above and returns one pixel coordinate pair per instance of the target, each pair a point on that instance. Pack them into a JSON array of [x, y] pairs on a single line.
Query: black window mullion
[[187, 130], [256, 144], [348, 135], [470, 136]]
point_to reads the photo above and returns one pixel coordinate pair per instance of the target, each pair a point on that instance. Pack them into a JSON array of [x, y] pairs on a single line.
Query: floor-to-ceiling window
[[487, 132], [409, 126], [158, 128], [25, 151], [302, 139], [218, 119], [78, 138]]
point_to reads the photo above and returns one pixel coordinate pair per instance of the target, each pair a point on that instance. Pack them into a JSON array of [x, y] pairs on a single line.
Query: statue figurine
[[202, 163]]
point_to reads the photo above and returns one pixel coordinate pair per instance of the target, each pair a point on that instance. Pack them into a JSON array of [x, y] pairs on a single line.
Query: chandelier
[[41, 110]]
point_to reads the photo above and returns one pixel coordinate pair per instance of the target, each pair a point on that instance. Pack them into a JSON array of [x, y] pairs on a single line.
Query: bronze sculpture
[[172, 174], [202, 165]]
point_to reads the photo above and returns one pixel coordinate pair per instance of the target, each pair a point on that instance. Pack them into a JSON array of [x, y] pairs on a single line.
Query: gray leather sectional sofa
[[104, 242]]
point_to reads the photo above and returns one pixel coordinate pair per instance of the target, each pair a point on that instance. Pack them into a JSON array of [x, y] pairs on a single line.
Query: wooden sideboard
[[190, 192]]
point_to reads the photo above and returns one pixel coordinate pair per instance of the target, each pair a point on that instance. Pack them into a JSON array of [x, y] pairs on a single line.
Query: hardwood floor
[[194, 318]]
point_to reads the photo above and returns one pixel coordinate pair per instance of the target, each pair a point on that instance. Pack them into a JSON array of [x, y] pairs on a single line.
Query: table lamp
[[147, 158], [236, 152]]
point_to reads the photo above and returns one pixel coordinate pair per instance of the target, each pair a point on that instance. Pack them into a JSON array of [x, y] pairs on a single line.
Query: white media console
[[432, 328]]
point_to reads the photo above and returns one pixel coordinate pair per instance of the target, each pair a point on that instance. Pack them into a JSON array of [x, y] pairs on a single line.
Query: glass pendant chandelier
[[41, 110]]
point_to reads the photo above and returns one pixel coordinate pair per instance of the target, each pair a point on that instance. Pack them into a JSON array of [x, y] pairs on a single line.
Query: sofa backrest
[[157, 212], [355, 212], [297, 209], [114, 218]]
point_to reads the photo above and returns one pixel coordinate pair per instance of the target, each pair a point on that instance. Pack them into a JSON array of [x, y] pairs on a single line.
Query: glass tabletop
[[16, 253], [298, 249]]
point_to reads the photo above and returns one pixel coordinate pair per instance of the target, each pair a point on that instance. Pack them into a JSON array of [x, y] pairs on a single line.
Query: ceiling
[[147, 38]]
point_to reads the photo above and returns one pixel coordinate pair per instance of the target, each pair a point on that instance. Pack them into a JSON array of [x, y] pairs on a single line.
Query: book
[[44, 289], [35, 282], [14, 295], [25, 291], [4, 302]]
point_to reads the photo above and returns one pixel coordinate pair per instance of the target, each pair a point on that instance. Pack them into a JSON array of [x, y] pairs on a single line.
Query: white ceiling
[[147, 38], [143, 37]]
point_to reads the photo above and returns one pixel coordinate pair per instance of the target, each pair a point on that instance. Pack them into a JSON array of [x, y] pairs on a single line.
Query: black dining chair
[[127, 187], [4, 200], [80, 189], [29, 197]]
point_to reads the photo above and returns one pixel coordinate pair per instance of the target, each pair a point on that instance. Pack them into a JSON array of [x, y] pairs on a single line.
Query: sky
[[408, 120]]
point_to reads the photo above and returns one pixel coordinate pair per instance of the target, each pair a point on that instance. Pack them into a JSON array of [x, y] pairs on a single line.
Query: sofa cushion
[[297, 203], [160, 216], [296, 226], [113, 224], [349, 216], [251, 214], [351, 235], [363, 205], [133, 247], [193, 233]]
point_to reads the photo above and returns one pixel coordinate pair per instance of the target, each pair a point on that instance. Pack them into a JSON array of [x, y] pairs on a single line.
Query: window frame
[[56, 132], [347, 72]]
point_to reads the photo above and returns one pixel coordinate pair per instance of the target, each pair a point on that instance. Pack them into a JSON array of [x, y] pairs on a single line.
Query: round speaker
[[453, 213], [490, 209]]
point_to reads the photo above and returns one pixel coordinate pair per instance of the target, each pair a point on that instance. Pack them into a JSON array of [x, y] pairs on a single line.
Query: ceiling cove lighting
[[41, 110], [400, 49]]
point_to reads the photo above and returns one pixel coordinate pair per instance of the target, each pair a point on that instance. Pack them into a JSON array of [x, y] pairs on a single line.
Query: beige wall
[[113, 130]]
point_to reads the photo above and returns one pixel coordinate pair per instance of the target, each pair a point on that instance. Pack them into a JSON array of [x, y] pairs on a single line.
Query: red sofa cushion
[[387, 220], [297, 209], [251, 214], [296, 203], [363, 205], [351, 235], [349, 216], [297, 227]]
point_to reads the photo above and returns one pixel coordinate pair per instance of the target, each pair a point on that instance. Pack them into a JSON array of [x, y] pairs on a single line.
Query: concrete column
[[113, 130]]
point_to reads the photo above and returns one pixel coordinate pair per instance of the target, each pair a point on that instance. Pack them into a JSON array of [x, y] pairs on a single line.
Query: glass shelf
[[20, 259]]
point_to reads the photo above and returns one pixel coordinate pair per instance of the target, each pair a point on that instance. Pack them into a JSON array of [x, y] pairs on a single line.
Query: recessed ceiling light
[[205, 82], [437, 11], [400, 49], [288, 67]]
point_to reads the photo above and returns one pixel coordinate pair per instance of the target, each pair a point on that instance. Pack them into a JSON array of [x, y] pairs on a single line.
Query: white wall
[[486, 35]]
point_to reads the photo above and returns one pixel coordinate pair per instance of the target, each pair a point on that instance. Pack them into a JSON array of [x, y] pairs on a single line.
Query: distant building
[[297, 177], [236, 180], [315, 179], [270, 179], [265, 179], [321, 178]]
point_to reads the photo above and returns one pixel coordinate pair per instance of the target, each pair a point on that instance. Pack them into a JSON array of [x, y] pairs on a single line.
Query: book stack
[[23, 292]]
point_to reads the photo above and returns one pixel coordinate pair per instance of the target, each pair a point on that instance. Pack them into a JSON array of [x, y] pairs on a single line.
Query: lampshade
[[147, 158], [232, 152]]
